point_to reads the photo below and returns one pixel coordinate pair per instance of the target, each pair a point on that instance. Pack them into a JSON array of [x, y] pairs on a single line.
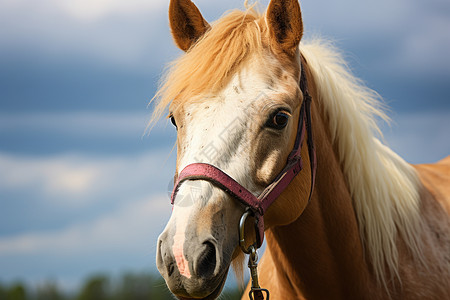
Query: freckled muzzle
[[194, 270], [195, 249]]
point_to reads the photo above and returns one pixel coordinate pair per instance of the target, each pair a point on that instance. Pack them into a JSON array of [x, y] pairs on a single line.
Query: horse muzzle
[[194, 265]]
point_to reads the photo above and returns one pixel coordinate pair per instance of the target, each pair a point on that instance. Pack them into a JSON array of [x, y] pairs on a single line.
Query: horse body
[[375, 227], [435, 178]]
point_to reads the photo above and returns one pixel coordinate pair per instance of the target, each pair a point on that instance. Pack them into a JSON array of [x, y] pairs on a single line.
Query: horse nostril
[[164, 260], [206, 262], [170, 269]]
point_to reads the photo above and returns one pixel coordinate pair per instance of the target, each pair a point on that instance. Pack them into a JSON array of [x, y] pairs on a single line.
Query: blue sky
[[83, 189]]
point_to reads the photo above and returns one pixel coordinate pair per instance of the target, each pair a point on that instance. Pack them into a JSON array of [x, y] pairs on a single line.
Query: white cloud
[[85, 10], [132, 226], [92, 10], [55, 176], [79, 180]]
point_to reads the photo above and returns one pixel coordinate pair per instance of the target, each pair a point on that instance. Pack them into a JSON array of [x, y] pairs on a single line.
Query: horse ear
[[186, 22], [284, 20]]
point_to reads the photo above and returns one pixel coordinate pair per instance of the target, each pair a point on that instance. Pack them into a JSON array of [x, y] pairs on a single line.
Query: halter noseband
[[259, 205]]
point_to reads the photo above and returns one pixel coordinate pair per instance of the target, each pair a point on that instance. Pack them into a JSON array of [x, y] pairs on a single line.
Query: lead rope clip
[[256, 292]]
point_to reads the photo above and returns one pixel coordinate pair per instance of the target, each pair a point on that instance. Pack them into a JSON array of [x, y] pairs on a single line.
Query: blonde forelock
[[208, 65]]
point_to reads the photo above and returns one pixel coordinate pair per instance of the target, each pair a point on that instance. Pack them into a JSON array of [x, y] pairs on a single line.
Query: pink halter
[[259, 205]]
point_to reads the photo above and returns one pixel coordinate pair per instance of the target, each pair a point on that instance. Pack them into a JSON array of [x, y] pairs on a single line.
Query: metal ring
[[242, 232]]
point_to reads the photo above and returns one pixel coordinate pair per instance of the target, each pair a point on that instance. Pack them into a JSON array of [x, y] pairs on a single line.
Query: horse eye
[[172, 119], [278, 120]]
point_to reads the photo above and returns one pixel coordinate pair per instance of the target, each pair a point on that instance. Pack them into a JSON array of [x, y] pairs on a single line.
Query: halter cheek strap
[[259, 205]]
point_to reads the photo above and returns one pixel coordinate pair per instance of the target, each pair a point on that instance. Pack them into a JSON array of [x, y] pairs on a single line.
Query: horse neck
[[320, 255]]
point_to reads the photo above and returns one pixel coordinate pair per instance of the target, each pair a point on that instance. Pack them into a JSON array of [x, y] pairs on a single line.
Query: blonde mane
[[383, 186]]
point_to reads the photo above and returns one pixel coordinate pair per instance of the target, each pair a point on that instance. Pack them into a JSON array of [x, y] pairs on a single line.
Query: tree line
[[129, 286]]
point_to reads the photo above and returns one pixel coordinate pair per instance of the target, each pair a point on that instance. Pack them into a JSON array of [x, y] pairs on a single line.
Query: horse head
[[235, 99]]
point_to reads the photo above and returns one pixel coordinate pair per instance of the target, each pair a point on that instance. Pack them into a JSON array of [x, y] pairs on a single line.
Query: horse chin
[[215, 294]]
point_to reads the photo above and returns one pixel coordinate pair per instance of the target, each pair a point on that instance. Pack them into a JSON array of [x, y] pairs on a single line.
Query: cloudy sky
[[83, 189]]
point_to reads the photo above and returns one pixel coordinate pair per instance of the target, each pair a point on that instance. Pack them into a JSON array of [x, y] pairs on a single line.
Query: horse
[[354, 220]]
